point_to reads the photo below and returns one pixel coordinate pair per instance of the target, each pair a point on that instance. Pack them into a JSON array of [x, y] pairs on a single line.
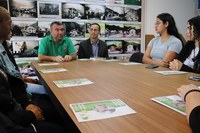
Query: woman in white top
[[164, 48], [189, 57]]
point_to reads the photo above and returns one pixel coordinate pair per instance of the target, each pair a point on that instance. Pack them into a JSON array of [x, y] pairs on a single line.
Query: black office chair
[[136, 57]]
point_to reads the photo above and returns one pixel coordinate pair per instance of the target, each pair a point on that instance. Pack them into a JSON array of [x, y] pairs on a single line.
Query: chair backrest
[[148, 38], [136, 57]]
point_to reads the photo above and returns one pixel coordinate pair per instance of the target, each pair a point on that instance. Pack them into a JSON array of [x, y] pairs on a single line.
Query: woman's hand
[[175, 65], [184, 89]]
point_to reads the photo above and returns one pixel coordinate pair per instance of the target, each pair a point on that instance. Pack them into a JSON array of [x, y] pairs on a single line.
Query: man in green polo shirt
[[56, 47]]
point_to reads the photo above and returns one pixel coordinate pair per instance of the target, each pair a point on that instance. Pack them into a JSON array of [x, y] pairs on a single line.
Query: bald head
[[4, 14], [5, 24]]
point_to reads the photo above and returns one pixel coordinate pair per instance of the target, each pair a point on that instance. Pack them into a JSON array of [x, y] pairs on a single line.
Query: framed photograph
[[4, 3], [49, 10], [24, 28], [25, 48], [95, 12], [131, 47], [23, 8], [132, 30], [115, 1], [102, 32], [114, 13], [114, 30], [77, 0], [97, 1], [72, 11], [133, 2], [132, 14], [73, 29], [114, 46], [43, 28]]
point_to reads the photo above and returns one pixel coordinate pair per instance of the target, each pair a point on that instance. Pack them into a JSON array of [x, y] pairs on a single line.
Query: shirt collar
[[51, 39], [6, 63], [1, 48], [94, 43]]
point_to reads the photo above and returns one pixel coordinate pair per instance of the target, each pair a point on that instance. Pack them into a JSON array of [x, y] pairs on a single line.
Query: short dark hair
[[97, 25], [55, 22]]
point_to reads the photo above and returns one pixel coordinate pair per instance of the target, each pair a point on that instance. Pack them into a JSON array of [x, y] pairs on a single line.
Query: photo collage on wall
[[123, 47], [40, 14], [23, 8], [25, 48]]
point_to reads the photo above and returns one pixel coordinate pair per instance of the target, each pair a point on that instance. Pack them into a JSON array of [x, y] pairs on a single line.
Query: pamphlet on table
[[173, 102], [53, 70], [72, 82], [97, 110], [130, 63], [170, 72]]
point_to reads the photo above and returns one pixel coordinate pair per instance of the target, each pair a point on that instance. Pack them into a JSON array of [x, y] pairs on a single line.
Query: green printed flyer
[[97, 110]]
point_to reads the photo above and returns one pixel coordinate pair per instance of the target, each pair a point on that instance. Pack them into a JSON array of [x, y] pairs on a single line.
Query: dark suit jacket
[[85, 49]]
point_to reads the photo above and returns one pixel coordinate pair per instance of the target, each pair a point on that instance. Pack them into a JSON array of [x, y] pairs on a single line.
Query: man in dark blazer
[[93, 47]]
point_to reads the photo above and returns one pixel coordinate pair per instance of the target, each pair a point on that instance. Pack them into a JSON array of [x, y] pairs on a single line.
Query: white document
[[72, 82], [170, 72], [48, 64], [98, 110], [111, 60], [130, 63], [53, 70], [84, 59], [173, 102]]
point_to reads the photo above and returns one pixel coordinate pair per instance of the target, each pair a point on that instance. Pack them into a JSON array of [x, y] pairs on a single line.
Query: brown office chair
[[148, 38]]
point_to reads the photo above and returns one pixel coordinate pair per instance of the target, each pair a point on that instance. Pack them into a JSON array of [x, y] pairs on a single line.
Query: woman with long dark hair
[[165, 47], [189, 57]]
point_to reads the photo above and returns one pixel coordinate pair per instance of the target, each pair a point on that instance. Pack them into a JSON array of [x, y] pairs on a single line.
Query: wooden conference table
[[133, 84]]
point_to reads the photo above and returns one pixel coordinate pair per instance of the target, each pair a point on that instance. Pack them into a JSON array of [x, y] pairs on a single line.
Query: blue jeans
[[35, 88]]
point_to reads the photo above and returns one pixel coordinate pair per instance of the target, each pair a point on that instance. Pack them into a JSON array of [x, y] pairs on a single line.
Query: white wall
[[181, 10]]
